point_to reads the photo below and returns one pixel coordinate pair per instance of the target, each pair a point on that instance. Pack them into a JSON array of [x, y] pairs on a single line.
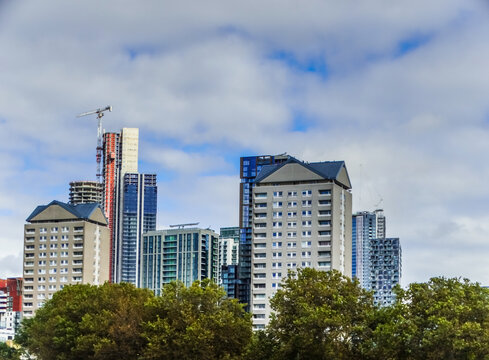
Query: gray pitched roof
[[82, 211], [327, 169]]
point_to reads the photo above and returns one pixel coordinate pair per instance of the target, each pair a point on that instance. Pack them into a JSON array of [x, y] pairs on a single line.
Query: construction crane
[[100, 114]]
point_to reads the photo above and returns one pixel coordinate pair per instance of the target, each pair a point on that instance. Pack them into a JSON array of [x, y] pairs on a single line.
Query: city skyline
[[397, 91]]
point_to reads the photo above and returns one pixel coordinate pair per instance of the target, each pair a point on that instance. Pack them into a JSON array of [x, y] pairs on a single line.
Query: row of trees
[[318, 315]]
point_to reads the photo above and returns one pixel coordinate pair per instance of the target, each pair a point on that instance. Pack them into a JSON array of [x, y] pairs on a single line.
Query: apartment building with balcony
[[184, 254], [302, 216], [63, 244]]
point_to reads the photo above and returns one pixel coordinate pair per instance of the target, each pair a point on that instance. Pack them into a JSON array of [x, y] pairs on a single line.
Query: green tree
[[88, 322], [198, 322], [8, 352], [319, 315], [441, 319]]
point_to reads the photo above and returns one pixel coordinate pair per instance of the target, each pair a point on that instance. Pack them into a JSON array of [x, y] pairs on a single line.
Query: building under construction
[[84, 192]]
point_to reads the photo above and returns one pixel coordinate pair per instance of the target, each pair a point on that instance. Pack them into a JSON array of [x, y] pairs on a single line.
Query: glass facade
[[138, 217], [186, 255]]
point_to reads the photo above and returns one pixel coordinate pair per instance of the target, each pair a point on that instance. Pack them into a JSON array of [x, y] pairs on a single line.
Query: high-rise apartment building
[[184, 254], [63, 244], [301, 218], [85, 192], [10, 307], [228, 260], [386, 269], [366, 226], [120, 156], [138, 216], [376, 260], [250, 166]]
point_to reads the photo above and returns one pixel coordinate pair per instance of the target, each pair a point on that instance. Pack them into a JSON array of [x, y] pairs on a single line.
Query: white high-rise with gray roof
[[302, 215]]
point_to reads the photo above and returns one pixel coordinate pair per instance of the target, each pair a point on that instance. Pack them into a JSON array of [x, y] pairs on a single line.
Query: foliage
[[440, 319], [196, 323], [8, 352], [320, 315], [88, 322]]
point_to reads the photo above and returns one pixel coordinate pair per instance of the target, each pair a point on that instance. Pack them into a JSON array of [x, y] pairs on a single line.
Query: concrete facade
[[301, 218], [63, 244]]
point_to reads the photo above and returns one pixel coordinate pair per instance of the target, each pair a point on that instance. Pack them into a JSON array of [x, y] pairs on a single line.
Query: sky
[[398, 90]]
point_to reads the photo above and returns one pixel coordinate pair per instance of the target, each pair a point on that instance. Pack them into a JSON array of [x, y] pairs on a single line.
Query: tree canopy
[[317, 315]]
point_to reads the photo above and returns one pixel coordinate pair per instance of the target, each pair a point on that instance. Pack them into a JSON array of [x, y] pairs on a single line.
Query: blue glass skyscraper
[[138, 217]]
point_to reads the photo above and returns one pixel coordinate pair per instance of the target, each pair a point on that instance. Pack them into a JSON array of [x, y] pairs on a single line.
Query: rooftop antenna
[[183, 226], [100, 114]]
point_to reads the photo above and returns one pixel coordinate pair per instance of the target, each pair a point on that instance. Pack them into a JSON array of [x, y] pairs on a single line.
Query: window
[[291, 265], [259, 286], [306, 254], [42, 247], [324, 243], [291, 204], [54, 229], [307, 193], [306, 203], [41, 271], [260, 255], [261, 205], [275, 286], [64, 246], [325, 233], [65, 254], [42, 238], [307, 223], [259, 296], [53, 246], [277, 194], [64, 262], [306, 213], [53, 254], [52, 287], [43, 230], [292, 224], [260, 266], [277, 204], [261, 195], [277, 224], [292, 234], [306, 234], [324, 202], [277, 235], [258, 316], [276, 265], [324, 212], [291, 214], [63, 271], [276, 255], [277, 275], [260, 235], [258, 306], [52, 279], [65, 229], [292, 193], [64, 237], [306, 244], [291, 245], [324, 223], [277, 244], [277, 214], [306, 264], [292, 255], [53, 271], [324, 192], [260, 276], [260, 245], [260, 225], [41, 287], [42, 255], [54, 238], [260, 215]]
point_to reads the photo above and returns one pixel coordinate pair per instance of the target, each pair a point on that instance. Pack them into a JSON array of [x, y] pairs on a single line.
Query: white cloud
[[206, 82]]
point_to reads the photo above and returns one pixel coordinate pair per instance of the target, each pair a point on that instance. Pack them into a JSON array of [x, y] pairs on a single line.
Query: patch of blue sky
[[301, 122], [6, 212], [411, 44], [136, 51], [312, 64]]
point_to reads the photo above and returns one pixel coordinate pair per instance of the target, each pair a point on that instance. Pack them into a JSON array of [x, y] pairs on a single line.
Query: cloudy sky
[[399, 90]]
